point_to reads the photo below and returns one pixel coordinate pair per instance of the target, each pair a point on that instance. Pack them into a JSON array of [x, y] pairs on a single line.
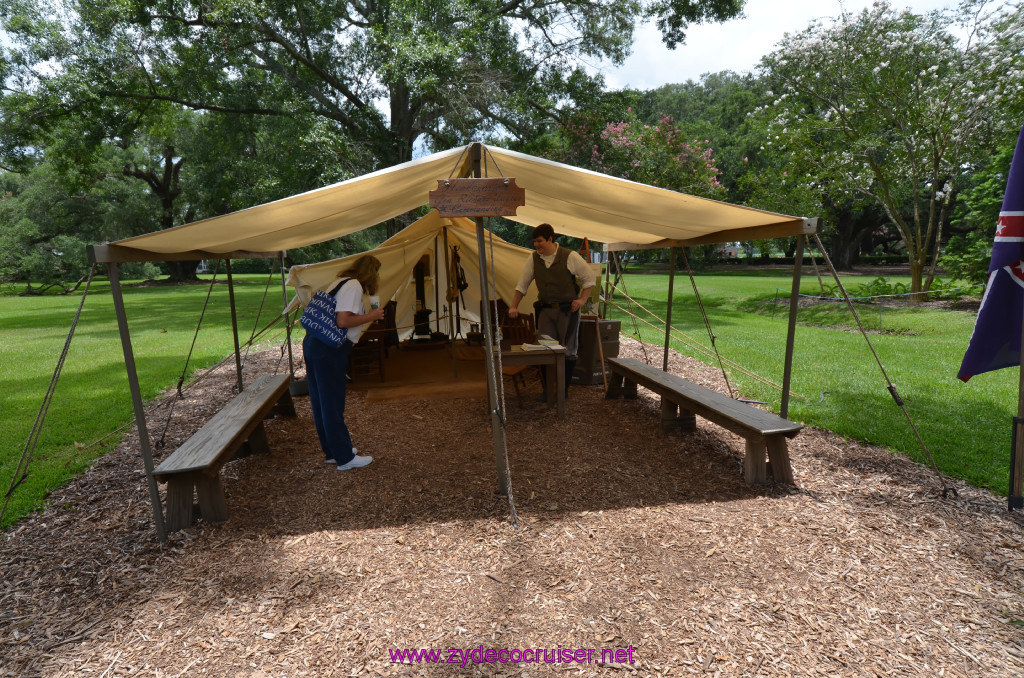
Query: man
[[560, 297]]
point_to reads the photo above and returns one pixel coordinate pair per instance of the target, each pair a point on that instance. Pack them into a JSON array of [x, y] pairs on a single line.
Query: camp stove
[[421, 320]]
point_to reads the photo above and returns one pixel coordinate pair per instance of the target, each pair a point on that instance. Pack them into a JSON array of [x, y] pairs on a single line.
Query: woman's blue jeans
[[325, 373]]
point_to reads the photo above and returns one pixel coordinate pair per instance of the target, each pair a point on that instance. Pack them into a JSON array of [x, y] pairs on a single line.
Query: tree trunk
[[182, 271], [916, 278], [166, 188]]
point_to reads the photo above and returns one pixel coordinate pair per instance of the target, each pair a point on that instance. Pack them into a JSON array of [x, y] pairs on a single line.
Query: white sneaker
[[330, 460], [357, 462]]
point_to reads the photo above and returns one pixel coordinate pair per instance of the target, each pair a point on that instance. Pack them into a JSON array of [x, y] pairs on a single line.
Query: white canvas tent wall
[[427, 237], [580, 203]]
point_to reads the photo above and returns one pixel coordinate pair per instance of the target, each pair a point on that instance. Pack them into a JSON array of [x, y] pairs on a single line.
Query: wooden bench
[[238, 427], [761, 430]]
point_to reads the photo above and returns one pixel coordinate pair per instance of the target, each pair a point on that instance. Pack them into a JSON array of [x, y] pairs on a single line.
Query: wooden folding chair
[[515, 331]]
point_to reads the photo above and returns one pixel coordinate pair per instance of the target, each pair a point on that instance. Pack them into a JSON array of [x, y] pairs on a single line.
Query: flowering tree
[[658, 155], [897, 106]]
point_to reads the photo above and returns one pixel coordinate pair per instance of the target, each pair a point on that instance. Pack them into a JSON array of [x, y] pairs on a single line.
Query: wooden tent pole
[[600, 353], [136, 393], [287, 325], [234, 325], [668, 311], [497, 430], [794, 301]]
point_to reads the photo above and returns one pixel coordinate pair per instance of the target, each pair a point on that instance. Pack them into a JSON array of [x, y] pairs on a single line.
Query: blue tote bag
[[321, 320]]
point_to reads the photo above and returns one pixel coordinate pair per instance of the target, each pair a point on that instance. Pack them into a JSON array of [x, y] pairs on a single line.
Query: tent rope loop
[[184, 370], [620, 278], [707, 323], [259, 311], [21, 472], [946, 489], [695, 345]]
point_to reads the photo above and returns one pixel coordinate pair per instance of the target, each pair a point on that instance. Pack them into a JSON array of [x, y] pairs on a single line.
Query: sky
[[735, 45]]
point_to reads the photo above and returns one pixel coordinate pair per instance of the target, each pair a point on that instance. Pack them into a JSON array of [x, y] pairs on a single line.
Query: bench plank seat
[[763, 431], [195, 465]]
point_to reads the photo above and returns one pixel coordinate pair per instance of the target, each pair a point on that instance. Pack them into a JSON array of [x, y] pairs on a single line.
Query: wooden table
[[548, 356]]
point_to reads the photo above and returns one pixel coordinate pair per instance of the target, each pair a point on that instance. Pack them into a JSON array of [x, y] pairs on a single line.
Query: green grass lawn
[[92, 397], [966, 426]]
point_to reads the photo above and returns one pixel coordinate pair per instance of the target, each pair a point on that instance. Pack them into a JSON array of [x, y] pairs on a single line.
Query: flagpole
[[1015, 500], [991, 345]]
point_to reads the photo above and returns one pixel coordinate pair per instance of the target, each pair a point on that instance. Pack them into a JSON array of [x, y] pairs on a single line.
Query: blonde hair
[[365, 269]]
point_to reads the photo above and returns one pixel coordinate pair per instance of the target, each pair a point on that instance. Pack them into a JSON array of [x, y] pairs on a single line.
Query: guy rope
[[692, 343], [946, 489], [21, 473]]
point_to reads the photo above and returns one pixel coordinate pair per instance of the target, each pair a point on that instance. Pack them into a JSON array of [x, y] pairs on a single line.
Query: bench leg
[[629, 389], [778, 455], [755, 466], [179, 502], [285, 407], [211, 499], [614, 386], [675, 419], [256, 444], [668, 415]]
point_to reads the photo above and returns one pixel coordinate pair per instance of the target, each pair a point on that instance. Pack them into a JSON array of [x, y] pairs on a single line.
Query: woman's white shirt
[[349, 297]]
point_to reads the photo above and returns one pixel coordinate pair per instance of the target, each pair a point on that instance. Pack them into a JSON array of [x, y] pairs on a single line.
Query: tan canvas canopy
[[577, 202], [619, 213]]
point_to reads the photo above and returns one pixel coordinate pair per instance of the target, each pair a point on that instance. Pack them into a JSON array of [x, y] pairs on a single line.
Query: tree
[[716, 108], [658, 155], [47, 221], [385, 72], [895, 106]]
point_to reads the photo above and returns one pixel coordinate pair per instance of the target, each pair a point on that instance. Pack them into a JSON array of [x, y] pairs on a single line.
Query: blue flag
[[995, 343]]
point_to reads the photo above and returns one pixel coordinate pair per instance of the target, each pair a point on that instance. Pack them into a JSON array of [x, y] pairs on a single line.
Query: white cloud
[[735, 45]]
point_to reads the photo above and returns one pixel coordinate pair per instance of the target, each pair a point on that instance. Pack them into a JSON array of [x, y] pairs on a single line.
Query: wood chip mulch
[[626, 538]]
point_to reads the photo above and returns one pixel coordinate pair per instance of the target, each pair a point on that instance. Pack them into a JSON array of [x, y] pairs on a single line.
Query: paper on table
[[543, 346]]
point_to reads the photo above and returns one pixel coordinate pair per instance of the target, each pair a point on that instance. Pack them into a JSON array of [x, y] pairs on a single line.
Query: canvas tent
[[427, 237], [577, 202]]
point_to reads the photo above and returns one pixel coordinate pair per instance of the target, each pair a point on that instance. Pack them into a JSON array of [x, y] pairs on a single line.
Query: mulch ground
[[626, 538]]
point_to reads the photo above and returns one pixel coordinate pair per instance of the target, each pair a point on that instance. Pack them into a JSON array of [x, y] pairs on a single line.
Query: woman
[[326, 366]]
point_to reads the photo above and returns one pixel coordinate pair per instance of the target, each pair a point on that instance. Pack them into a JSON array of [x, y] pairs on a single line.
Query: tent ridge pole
[[136, 393]]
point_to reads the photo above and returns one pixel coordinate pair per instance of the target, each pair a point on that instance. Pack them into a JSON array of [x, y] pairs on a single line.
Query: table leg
[[560, 395], [550, 382]]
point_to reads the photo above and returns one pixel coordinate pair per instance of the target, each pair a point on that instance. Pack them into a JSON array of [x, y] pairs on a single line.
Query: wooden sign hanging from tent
[[488, 197]]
